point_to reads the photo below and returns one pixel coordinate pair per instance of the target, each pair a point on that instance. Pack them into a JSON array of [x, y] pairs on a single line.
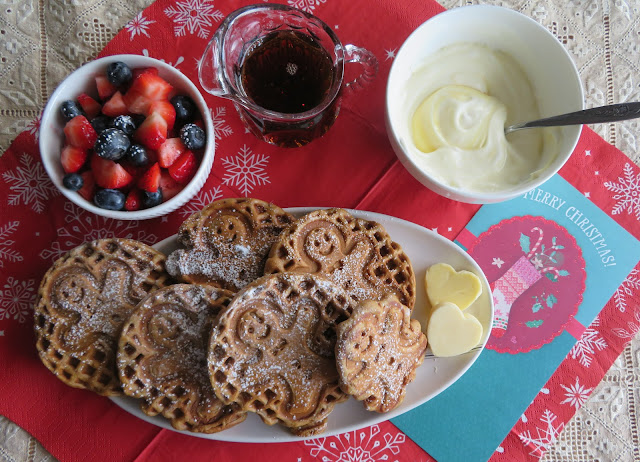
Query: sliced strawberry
[[150, 180], [115, 106], [72, 158], [183, 169], [80, 133], [169, 186], [108, 174], [137, 72], [144, 90], [152, 132], [105, 88], [89, 105], [166, 110], [133, 201], [169, 151], [89, 185], [132, 170]]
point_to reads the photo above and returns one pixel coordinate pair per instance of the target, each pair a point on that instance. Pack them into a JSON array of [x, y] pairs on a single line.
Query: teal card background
[[470, 419]]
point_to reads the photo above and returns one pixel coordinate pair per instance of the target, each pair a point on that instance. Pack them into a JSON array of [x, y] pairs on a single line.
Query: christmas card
[[553, 259]]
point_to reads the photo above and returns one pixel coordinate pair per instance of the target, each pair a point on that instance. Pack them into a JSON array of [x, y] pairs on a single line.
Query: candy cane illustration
[[538, 261]]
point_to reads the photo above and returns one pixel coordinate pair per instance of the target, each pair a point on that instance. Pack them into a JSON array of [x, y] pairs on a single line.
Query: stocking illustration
[[508, 288], [523, 274]]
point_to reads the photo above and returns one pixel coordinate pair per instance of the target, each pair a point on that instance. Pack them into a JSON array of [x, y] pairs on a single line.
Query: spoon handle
[[596, 115]]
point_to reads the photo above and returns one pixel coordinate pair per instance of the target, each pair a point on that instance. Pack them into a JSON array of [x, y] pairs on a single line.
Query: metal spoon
[[596, 115]]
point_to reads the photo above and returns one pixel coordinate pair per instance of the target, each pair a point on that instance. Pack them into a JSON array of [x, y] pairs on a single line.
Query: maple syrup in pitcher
[[288, 72], [285, 82]]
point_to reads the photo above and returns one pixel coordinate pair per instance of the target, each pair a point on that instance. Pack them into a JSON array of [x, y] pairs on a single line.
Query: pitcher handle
[[367, 60], [210, 69]]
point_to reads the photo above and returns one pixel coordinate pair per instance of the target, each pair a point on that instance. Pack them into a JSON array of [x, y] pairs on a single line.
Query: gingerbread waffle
[[83, 301], [356, 254], [272, 350], [162, 358], [227, 242], [378, 351]]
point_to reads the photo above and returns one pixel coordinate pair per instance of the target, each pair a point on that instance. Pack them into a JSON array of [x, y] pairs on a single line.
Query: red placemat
[[352, 166]]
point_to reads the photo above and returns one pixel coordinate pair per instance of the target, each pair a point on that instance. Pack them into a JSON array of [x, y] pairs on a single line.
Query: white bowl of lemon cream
[[458, 80]]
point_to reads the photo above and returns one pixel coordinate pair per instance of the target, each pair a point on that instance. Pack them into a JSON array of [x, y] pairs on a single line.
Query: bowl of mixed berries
[[127, 137]]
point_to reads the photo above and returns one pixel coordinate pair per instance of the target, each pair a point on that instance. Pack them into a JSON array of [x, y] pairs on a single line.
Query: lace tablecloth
[[42, 42]]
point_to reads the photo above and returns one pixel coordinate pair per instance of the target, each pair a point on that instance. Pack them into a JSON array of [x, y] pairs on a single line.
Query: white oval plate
[[424, 248]]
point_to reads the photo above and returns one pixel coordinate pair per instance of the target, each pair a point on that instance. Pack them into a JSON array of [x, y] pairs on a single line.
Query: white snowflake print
[[390, 54], [6, 252], [589, 343], [17, 299], [82, 227], [220, 128], [201, 201], [576, 394], [193, 16], [246, 170], [29, 184], [497, 261], [632, 328], [630, 285], [138, 26], [365, 445], [626, 193], [306, 5], [179, 61], [544, 436], [33, 128]]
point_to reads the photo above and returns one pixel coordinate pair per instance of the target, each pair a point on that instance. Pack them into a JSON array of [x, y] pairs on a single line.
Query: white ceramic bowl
[[82, 80], [552, 73]]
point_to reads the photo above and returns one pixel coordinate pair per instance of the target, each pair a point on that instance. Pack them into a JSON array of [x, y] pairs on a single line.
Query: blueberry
[[110, 199], [112, 144], [151, 199], [137, 155], [70, 109], [124, 123], [193, 136], [100, 123], [119, 73], [73, 181], [185, 108]]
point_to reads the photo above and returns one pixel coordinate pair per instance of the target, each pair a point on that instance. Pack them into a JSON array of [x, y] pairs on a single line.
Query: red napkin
[[352, 166]]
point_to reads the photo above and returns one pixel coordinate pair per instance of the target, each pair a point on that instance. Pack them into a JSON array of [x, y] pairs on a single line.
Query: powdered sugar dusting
[[233, 264], [378, 350], [281, 337], [356, 254], [171, 328], [102, 305]]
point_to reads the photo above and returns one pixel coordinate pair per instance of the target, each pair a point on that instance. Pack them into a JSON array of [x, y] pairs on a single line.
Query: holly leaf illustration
[[563, 273], [536, 307], [552, 277], [551, 300], [534, 324], [525, 243]]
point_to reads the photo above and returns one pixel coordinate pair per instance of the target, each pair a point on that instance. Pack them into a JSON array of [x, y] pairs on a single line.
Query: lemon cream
[[459, 102]]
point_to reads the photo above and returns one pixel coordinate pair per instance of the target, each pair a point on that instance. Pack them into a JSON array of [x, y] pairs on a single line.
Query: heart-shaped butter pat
[[451, 332], [445, 284]]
